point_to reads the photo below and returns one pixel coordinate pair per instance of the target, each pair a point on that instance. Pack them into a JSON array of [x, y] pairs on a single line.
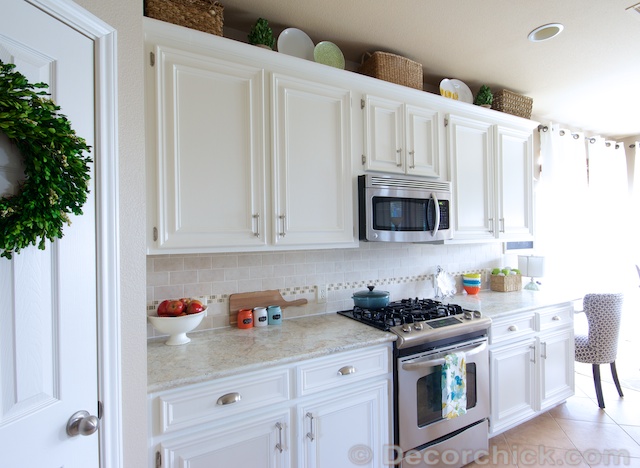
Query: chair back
[[604, 312]]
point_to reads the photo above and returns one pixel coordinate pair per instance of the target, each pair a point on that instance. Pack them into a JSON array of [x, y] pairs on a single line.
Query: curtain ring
[[607, 144], [591, 140], [617, 146], [561, 132], [543, 128], [632, 145], [575, 136]]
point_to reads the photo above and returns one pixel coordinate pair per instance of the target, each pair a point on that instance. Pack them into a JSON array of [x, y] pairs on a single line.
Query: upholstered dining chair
[[600, 345]]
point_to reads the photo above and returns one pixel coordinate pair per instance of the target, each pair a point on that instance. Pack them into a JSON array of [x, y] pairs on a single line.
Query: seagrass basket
[[393, 68], [512, 103], [506, 283], [203, 15]]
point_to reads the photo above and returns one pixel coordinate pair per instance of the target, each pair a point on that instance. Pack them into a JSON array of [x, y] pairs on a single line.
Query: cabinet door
[[384, 135], [470, 148], [347, 428], [423, 150], [312, 163], [514, 184], [556, 367], [256, 443], [208, 176], [513, 384]]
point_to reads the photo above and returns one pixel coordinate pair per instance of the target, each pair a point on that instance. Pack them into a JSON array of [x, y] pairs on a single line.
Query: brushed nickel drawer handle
[[229, 398], [513, 328], [346, 370], [556, 318]]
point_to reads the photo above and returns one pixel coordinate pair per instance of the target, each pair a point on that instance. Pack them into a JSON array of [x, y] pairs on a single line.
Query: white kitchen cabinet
[[206, 151], [312, 413], [243, 154], [312, 155], [257, 442], [531, 358], [345, 429], [401, 138], [492, 174]]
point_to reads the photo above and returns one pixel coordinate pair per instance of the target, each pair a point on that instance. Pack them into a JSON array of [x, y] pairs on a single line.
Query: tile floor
[[577, 432]]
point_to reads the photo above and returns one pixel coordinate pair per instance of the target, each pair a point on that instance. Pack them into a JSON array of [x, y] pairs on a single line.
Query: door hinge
[[100, 409], [155, 234], [158, 459], [152, 59], [361, 103], [446, 122], [364, 159]]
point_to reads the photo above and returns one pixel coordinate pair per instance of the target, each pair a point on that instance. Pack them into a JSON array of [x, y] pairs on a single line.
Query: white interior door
[[48, 344]]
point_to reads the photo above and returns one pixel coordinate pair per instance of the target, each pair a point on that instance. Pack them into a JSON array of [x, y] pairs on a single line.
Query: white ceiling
[[587, 78]]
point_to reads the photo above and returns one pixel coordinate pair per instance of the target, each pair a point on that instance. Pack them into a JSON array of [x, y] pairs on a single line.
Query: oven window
[[429, 394]]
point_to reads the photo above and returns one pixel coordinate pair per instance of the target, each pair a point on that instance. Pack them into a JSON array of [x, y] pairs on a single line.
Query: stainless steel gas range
[[429, 331]]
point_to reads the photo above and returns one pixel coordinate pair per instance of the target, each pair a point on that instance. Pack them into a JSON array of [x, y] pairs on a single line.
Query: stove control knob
[[468, 315], [406, 328], [417, 326], [477, 314]]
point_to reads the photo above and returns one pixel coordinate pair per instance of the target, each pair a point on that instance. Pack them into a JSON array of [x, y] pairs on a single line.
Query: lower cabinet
[[345, 431], [326, 412], [531, 360]]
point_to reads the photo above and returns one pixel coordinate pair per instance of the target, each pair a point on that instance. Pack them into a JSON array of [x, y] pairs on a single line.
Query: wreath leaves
[[55, 164]]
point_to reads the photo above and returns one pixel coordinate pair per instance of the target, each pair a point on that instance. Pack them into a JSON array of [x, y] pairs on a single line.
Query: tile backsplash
[[405, 270]]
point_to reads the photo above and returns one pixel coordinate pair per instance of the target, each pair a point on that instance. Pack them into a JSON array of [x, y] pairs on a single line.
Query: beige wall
[[126, 17]]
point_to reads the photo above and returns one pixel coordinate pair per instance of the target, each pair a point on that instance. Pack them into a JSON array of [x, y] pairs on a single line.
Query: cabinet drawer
[[508, 328], [342, 368], [184, 408], [555, 317]]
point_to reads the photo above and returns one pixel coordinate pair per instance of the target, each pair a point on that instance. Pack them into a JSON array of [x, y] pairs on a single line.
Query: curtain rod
[[592, 140]]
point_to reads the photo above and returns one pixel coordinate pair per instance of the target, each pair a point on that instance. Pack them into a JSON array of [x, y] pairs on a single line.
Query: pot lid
[[371, 293]]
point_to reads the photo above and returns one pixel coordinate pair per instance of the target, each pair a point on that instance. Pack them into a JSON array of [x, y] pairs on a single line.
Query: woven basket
[[392, 68], [506, 283], [512, 103], [203, 15]]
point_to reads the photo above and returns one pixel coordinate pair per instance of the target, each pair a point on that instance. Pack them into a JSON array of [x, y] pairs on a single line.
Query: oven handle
[[409, 366]]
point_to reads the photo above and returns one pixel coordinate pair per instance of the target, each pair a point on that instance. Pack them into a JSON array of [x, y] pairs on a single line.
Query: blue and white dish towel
[[454, 385]]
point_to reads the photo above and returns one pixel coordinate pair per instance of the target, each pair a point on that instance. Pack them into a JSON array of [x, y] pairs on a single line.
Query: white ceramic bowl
[[176, 327]]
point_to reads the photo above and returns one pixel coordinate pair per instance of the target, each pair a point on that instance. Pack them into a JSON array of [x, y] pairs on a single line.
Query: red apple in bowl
[[162, 308], [175, 308], [195, 307]]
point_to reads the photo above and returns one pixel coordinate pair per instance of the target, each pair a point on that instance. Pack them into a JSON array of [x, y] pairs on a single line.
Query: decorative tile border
[[311, 289]]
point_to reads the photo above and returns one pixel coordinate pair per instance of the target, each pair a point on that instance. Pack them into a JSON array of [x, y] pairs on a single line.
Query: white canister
[[260, 317]]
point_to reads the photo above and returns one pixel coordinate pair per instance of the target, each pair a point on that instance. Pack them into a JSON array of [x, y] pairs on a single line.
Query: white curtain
[[583, 213], [563, 215]]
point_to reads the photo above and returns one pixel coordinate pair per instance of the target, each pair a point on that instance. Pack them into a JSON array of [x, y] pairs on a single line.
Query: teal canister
[[275, 315]]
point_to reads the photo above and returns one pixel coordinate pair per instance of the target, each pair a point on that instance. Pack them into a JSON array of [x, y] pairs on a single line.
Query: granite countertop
[[229, 351], [223, 352], [494, 304]]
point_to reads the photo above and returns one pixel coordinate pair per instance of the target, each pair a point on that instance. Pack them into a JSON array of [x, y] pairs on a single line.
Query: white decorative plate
[[293, 41], [448, 90], [464, 93], [328, 53]]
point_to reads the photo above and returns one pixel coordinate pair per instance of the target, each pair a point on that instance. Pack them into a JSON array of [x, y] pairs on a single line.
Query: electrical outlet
[[321, 290]]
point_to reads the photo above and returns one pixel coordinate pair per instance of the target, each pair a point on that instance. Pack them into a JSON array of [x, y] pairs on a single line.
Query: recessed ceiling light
[[542, 33]]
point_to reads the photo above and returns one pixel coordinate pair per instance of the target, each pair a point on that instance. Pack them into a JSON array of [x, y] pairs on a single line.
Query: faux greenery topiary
[[261, 33], [56, 168], [484, 96]]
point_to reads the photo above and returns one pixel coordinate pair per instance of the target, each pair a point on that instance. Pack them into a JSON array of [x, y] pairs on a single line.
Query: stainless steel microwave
[[393, 209]]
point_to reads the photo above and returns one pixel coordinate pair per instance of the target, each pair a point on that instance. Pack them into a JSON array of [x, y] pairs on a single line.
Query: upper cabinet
[[312, 162], [401, 138], [491, 169], [242, 155]]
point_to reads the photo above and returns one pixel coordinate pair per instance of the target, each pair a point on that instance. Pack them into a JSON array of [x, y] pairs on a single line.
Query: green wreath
[[56, 168]]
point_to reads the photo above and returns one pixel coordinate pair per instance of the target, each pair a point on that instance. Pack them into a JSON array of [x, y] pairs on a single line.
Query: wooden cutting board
[[258, 299]]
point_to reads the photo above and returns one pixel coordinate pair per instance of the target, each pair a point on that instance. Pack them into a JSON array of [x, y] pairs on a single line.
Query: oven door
[[419, 393]]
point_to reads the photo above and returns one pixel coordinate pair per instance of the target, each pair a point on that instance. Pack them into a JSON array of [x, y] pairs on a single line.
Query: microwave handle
[[437, 209], [409, 366]]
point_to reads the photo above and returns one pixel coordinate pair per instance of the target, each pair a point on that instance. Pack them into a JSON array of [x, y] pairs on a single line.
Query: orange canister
[[245, 318]]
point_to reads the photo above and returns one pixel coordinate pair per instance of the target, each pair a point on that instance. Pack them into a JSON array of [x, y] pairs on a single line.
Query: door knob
[[82, 423]]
